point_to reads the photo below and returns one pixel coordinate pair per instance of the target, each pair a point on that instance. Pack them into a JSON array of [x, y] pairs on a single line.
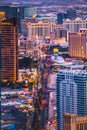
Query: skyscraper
[[59, 32], [12, 11], [24, 24], [71, 13], [41, 29], [73, 122], [60, 17], [9, 11], [2, 15], [8, 43], [71, 94], [30, 12], [78, 45], [74, 25]]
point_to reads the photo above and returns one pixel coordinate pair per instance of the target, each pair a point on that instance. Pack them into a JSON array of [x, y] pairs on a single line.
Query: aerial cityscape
[[43, 64]]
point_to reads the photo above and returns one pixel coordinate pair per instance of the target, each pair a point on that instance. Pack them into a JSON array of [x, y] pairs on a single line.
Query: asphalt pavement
[[16, 117]]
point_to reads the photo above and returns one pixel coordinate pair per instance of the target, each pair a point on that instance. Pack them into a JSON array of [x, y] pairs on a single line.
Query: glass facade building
[[71, 13], [60, 17], [30, 12], [71, 94], [14, 12]]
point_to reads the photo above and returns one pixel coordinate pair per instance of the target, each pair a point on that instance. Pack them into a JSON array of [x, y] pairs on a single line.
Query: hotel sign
[[5, 23], [83, 30]]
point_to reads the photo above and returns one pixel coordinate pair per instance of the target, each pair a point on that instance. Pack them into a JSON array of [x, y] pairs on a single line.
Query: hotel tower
[[71, 94], [8, 49], [78, 45]]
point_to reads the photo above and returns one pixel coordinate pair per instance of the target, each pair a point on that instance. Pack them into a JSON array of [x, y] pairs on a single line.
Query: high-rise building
[[12, 11], [31, 47], [35, 26], [2, 15], [24, 24], [71, 13], [60, 32], [78, 45], [8, 43], [24, 27], [73, 122], [30, 12], [21, 46], [9, 11], [71, 94], [60, 17], [41, 29], [74, 25]]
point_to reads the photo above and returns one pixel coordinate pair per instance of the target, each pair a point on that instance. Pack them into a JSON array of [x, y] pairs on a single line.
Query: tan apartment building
[[72, 122]]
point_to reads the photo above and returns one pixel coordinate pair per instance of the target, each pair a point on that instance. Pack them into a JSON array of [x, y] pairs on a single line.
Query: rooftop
[[75, 71]]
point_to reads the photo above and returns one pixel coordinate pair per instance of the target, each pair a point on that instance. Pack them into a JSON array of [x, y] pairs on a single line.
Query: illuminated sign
[[83, 30], [2, 13], [55, 50], [5, 23]]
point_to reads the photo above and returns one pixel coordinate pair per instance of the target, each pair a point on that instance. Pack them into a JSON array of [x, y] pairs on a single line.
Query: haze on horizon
[[7, 1]]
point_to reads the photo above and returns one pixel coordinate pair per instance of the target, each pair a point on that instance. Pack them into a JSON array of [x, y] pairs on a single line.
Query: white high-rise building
[[41, 28], [71, 94], [74, 25]]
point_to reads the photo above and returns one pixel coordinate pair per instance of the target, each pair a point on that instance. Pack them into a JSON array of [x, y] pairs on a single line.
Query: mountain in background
[[7, 1], [43, 2]]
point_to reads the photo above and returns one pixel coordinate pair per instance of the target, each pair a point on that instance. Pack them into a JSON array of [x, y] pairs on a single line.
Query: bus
[[8, 127]]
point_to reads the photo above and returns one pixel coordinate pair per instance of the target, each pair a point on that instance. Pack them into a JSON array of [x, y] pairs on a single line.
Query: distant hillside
[[46, 1], [7, 1]]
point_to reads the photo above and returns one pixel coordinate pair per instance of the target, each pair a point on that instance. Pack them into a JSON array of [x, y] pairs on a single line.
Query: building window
[[81, 126]]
